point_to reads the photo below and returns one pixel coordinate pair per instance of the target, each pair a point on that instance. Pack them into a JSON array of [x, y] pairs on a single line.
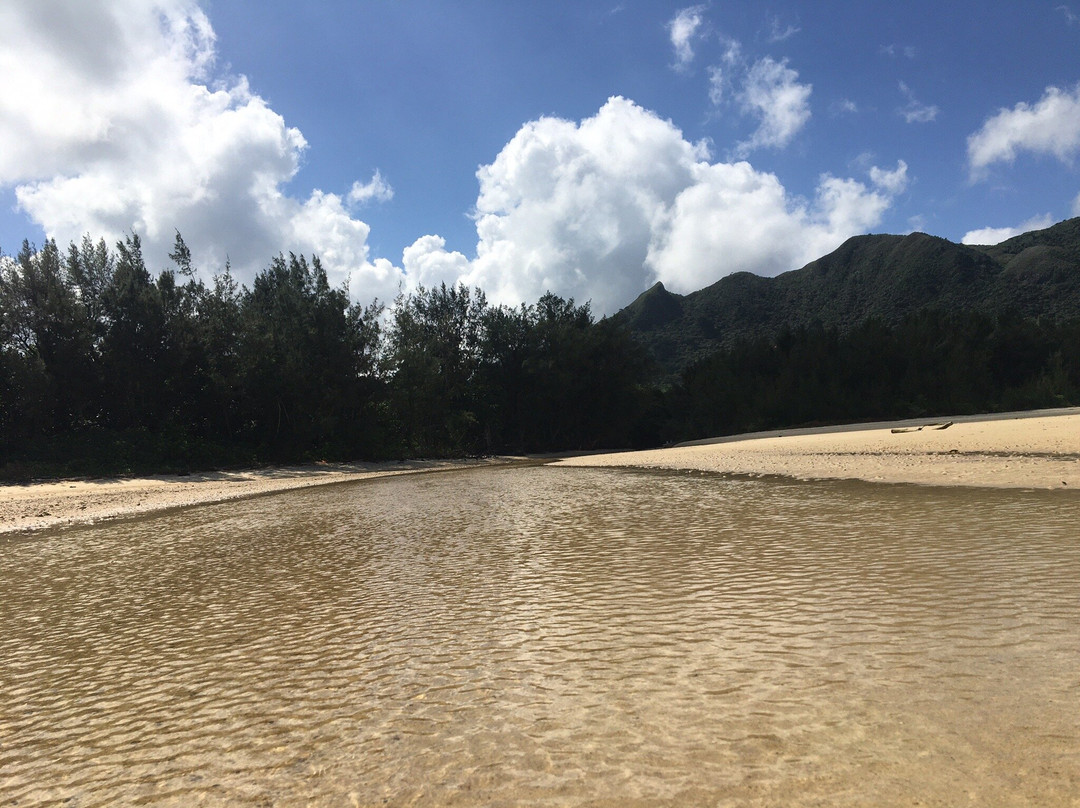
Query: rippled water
[[550, 636]]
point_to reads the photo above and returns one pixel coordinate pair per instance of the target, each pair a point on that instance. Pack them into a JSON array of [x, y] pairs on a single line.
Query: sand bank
[[48, 504], [1018, 450]]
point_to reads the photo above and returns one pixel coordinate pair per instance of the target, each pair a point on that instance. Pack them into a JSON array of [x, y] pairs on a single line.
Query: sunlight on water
[[552, 636]]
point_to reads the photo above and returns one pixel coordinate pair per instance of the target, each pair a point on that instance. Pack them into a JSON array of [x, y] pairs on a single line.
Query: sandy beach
[[1018, 450], [64, 502]]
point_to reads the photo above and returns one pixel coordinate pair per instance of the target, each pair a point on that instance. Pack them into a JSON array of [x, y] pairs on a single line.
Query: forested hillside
[[883, 277], [929, 363]]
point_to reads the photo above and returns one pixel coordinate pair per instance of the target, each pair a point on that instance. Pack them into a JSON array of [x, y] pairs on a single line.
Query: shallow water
[[550, 636]]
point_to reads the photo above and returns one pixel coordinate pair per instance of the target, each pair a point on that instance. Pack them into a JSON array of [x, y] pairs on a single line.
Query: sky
[[586, 148]]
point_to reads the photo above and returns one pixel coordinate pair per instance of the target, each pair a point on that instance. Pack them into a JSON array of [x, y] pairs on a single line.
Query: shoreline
[[1023, 450], [38, 506]]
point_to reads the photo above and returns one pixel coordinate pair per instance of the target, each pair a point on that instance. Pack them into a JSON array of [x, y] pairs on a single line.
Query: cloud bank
[[996, 235], [112, 121], [601, 209]]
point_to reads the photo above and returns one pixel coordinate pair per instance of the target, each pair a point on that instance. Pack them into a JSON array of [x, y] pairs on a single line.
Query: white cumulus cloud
[[428, 263], [113, 121], [377, 188], [995, 235], [1076, 206], [683, 29], [734, 218], [571, 207], [773, 94], [600, 210], [1050, 126], [892, 182]]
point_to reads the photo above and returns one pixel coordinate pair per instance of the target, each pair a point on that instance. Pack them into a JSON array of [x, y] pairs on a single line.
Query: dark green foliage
[[133, 349], [931, 363], [48, 342], [296, 355], [434, 353], [565, 381], [868, 277], [652, 310], [470, 378], [105, 368]]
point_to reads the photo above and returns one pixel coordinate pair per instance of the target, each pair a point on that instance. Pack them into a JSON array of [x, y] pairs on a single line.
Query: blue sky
[[586, 148]]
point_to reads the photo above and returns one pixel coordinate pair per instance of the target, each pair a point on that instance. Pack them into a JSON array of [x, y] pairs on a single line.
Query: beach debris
[[938, 425]]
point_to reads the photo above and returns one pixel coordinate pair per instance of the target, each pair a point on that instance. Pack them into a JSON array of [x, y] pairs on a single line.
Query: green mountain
[[877, 276]]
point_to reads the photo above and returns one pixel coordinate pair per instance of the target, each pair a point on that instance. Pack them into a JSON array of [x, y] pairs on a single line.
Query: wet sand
[[1039, 450], [49, 504], [1016, 450]]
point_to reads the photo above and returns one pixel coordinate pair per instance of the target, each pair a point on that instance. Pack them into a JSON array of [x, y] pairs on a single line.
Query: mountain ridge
[[882, 276]]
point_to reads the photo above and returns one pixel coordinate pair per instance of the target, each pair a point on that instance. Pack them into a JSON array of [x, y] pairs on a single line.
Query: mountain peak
[[653, 309], [886, 277]]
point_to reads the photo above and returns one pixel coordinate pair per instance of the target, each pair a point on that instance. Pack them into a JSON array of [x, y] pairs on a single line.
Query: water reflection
[[550, 636]]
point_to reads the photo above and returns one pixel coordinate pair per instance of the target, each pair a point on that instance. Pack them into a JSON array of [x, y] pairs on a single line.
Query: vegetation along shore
[[108, 369], [1020, 450]]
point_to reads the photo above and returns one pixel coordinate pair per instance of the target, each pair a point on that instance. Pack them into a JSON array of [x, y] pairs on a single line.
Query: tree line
[[106, 368], [931, 362]]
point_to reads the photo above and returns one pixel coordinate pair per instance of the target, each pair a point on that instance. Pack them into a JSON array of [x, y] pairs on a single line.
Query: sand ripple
[[550, 636]]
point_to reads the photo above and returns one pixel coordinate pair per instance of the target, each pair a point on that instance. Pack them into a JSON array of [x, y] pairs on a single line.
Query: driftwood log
[[940, 425]]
